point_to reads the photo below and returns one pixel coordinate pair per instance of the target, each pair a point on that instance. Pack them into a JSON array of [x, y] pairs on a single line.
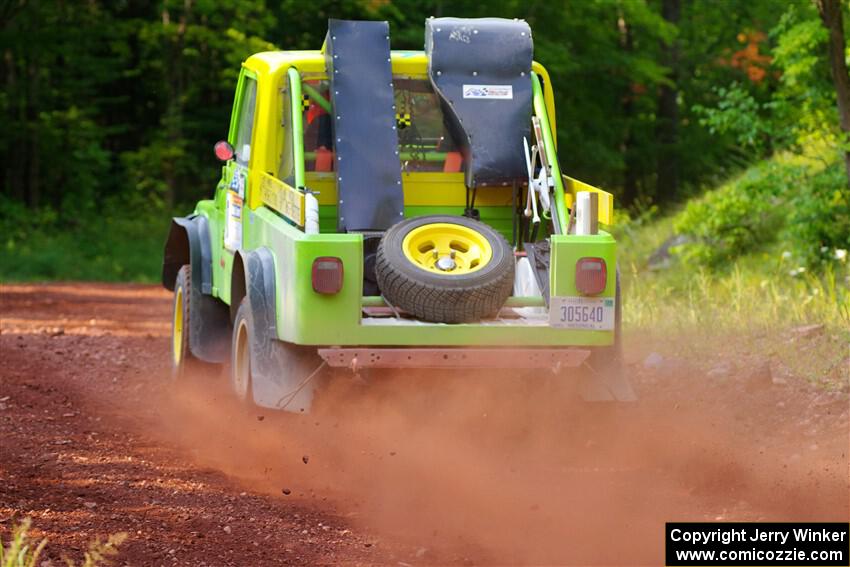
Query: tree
[[118, 100], [667, 130], [831, 16]]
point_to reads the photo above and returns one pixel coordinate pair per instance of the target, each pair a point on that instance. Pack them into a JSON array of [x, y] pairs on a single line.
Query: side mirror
[[224, 151]]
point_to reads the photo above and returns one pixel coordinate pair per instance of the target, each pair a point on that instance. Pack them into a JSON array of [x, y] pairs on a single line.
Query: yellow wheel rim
[[447, 249], [177, 328]]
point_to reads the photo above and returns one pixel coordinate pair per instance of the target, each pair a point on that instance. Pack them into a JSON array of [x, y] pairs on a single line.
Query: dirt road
[[405, 470]]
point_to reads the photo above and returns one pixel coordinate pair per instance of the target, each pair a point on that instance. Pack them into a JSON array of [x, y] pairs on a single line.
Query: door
[[233, 186], [236, 172]]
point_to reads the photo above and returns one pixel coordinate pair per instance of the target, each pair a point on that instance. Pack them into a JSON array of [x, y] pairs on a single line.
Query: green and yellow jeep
[[396, 209]]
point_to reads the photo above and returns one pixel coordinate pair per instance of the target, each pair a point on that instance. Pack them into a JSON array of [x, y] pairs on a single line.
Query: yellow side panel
[[606, 199], [284, 199], [424, 189]]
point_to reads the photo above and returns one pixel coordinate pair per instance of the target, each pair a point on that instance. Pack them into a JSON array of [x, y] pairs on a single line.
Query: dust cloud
[[510, 469]]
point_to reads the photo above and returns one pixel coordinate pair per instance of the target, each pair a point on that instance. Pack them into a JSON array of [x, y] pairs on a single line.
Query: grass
[[747, 310], [107, 247], [23, 551]]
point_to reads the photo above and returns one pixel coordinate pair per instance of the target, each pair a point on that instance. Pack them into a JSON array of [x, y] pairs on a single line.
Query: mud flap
[[282, 374], [189, 243], [604, 377]]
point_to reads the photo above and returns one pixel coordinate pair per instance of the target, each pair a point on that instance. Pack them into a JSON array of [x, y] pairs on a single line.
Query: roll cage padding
[[209, 319], [368, 169], [481, 70]]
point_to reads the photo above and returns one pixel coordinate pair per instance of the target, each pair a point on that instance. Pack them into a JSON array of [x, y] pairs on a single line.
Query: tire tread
[[465, 302]]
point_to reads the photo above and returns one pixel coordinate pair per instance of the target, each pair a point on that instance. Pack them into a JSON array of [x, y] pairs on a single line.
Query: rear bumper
[[550, 358]]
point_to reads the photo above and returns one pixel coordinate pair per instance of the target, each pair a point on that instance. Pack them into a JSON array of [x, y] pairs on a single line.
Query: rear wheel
[[445, 269], [183, 363], [240, 366], [268, 372]]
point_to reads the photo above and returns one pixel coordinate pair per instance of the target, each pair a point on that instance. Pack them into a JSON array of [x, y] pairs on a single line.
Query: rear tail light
[[327, 275], [591, 276]]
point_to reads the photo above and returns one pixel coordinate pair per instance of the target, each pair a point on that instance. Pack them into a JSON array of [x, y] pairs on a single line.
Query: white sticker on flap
[[503, 92]]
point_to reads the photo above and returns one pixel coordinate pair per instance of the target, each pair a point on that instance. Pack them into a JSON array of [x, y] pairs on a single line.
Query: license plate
[[588, 313]]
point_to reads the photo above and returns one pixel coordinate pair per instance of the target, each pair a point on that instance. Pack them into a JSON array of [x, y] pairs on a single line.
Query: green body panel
[[303, 316], [306, 317], [463, 335], [568, 249]]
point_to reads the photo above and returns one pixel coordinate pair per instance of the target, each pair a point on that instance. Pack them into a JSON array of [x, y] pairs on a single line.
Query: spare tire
[[445, 269]]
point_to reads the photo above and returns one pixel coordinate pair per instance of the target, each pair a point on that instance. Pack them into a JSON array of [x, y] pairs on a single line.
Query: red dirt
[[406, 470]]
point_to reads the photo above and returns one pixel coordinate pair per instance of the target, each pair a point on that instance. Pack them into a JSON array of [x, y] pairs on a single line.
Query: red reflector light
[[327, 275], [591, 276], [223, 151]]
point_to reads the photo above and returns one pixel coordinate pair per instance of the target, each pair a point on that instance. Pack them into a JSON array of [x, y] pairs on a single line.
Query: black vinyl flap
[[365, 139], [481, 69]]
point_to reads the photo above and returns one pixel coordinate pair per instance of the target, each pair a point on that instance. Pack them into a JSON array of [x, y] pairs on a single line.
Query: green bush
[[741, 216], [120, 242], [818, 226], [799, 206]]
